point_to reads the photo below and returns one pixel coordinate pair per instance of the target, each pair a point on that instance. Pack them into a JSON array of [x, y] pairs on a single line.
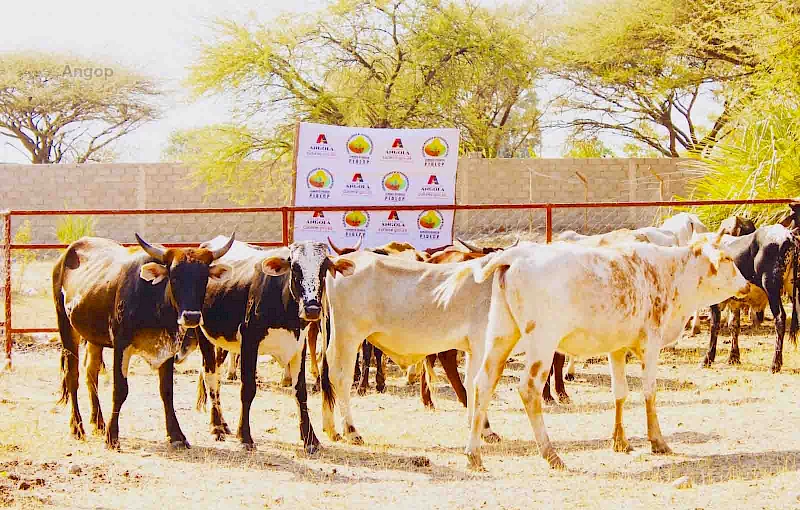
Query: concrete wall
[[505, 181]]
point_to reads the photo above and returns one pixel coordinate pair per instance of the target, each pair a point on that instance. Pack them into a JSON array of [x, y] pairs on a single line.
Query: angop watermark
[[87, 73]]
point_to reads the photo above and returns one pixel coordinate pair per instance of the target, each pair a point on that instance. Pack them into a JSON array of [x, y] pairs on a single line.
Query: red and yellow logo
[[430, 220]]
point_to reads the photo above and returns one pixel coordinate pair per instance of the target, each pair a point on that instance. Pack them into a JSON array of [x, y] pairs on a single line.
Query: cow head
[[718, 276], [186, 272], [308, 262], [737, 226]]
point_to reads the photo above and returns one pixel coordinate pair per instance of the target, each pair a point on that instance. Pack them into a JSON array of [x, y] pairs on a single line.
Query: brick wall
[[165, 185]]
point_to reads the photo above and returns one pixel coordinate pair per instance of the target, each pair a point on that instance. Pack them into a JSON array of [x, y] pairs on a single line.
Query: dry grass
[[735, 431]]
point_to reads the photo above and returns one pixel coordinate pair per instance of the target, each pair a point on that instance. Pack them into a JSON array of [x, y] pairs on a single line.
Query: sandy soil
[[735, 431]]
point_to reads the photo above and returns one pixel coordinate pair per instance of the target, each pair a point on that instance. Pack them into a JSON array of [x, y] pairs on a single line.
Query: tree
[[638, 68], [59, 108], [589, 147], [373, 63]]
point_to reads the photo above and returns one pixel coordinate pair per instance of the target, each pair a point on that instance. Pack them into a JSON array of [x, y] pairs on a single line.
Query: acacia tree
[[374, 63], [639, 68], [60, 108]]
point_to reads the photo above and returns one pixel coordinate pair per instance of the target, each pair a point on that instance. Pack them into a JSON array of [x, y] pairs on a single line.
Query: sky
[[159, 38]]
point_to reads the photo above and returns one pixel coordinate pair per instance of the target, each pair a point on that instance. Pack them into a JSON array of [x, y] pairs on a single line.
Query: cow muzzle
[[190, 319], [311, 311]]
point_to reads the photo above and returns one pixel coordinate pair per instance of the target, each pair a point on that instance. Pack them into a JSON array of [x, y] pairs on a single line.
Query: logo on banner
[[432, 190], [397, 152], [357, 187], [317, 223], [321, 148], [393, 225], [319, 182], [435, 150], [359, 147], [430, 224], [355, 223], [395, 187]]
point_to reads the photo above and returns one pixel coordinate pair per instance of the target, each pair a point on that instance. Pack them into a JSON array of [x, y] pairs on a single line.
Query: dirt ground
[[735, 432]]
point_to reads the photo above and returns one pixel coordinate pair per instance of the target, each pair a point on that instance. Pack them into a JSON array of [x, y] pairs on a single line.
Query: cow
[[768, 259], [135, 302], [264, 308], [737, 226], [586, 300]]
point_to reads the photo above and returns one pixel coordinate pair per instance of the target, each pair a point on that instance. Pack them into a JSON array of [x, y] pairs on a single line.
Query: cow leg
[[716, 318], [547, 397], [570, 376], [412, 372], [696, 323], [165, 386], [380, 370], [473, 366], [530, 390], [357, 369], [69, 382], [650, 369], [558, 375], [211, 368], [341, 358], [449, 360], [94, 355], [424, 389], [776, 306], [619, 384], [248, 362], [366, 358], [313, 332], [734, 358], [122, 357], [286, 381], [297, 365]]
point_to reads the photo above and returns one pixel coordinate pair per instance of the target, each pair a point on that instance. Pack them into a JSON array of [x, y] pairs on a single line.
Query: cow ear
[[219, 271], [275, 266], [153, 272], [340, 265]]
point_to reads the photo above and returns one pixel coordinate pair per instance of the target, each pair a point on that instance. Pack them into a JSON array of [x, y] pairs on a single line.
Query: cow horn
[[220, 252], [515, 243], [334, 247], [469, 246], [358, 244], [156, 253], [718, 237]]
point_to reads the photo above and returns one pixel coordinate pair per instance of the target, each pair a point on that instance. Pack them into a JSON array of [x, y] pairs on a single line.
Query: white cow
[[405, 323], [585, 300]]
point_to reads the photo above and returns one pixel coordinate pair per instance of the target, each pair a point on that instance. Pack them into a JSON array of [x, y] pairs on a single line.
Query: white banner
[[345, 166]]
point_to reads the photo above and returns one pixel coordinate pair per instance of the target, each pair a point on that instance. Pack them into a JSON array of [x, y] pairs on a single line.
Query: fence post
[[285, 222], [7, 284], [549, 223]]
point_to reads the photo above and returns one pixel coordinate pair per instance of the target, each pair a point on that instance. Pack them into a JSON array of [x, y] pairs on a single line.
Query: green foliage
[[24, 257], [589, 147], [62, 108], [71, 228], [373, 63]]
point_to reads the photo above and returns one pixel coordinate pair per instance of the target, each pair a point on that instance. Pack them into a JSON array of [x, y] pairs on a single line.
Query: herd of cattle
[[624, 291]]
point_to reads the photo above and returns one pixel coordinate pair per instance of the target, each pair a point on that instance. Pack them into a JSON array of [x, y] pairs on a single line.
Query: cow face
[[719, 278], [308, 262], [187, 272]]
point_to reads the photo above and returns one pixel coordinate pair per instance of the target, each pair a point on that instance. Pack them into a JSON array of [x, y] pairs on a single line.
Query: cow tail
[[430, 375], [795, 322], [202, 395], [68, 342], [328, 394], [481, 270]]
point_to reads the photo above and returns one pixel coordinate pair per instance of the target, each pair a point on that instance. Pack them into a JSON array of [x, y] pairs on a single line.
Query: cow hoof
[[696, 331], [249, 447], [429, 406], [555, 462], [569, 377], [564, 399], [707, 362], [99, 429], [312, 449], [179, 444], [356, 440], [286, 382], [548, 399], [77, 431], [734, 360], [315, 388], [622, 446], [492, 437], [474, 462], [362, 391], [335, 437], [380, 389], [660, 448], [776, 367], [233, 377], [112, 444]]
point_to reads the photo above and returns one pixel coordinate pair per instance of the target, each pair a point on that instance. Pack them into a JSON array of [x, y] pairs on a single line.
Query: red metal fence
[[8, 246]]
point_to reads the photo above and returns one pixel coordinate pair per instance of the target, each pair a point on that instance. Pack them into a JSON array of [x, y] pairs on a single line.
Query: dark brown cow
[[135, 302]]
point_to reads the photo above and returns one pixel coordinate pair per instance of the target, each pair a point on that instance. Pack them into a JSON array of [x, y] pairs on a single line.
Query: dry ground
[[735, 432]]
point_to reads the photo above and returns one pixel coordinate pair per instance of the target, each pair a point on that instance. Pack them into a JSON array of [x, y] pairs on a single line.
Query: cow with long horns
[[135, 302]]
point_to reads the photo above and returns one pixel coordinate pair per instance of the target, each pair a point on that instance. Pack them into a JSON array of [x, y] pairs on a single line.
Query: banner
[[345, 166]]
